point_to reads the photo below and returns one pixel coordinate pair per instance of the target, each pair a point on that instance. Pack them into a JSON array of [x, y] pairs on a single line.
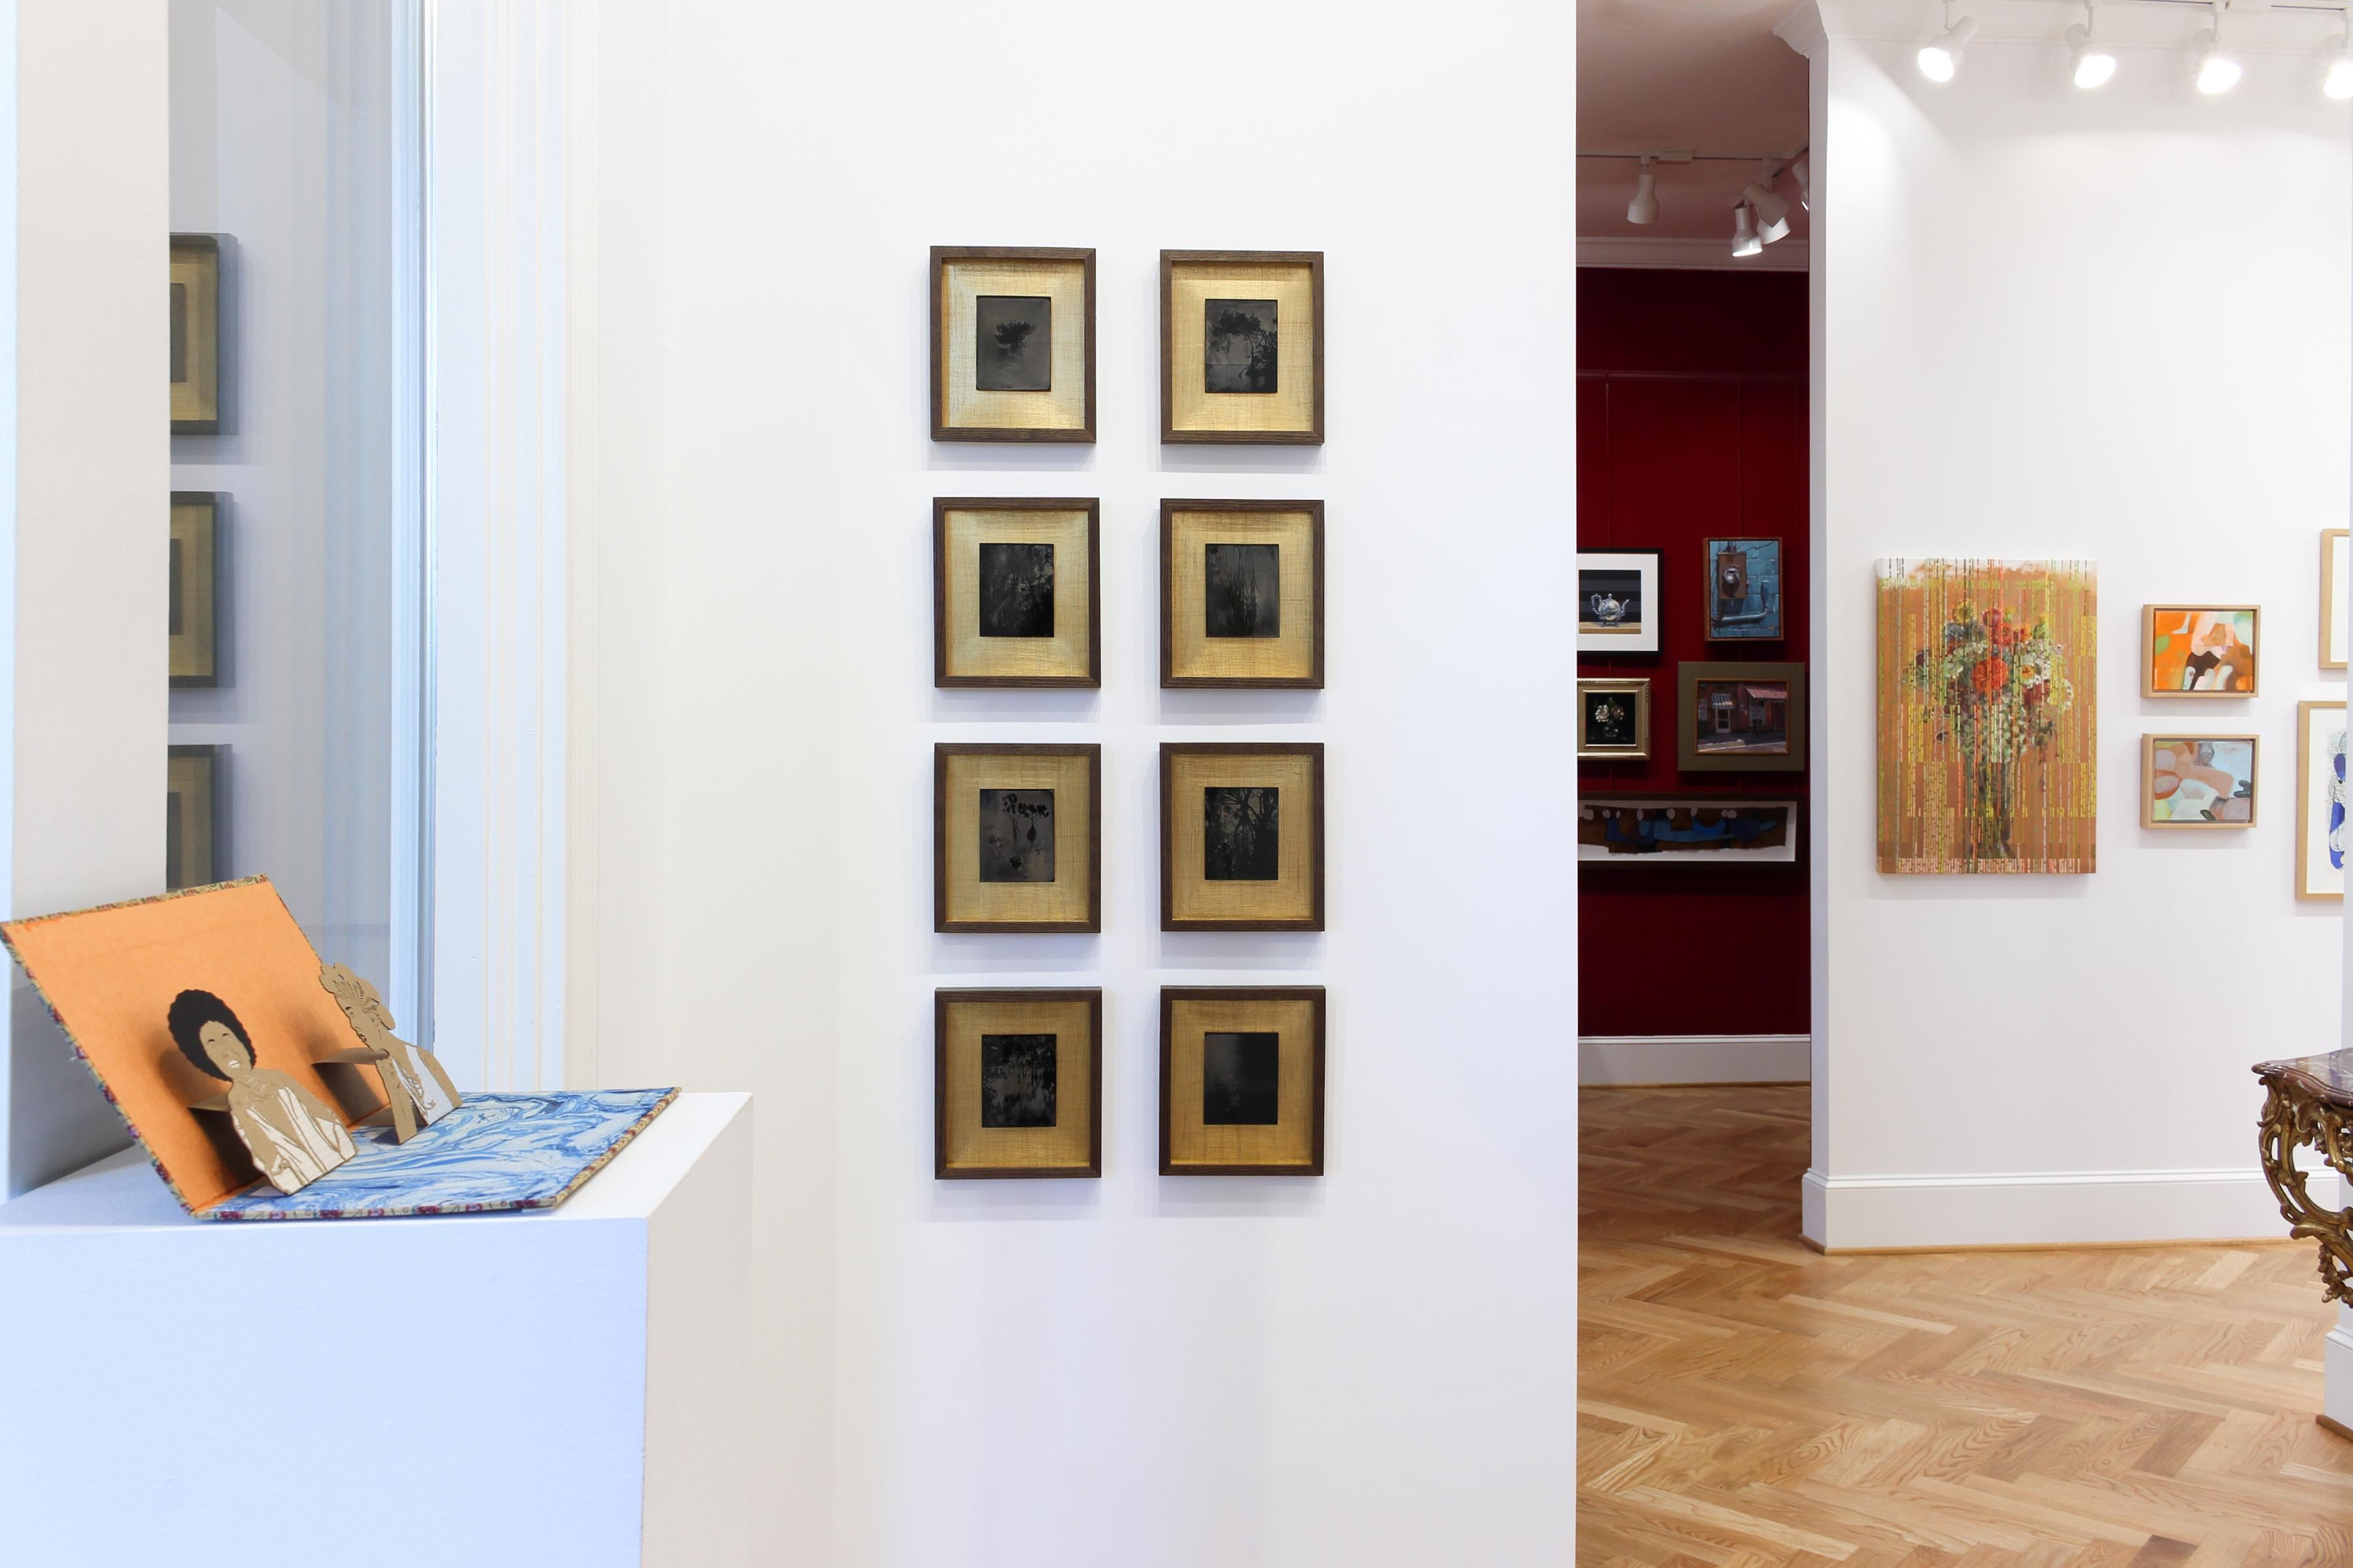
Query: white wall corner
[[1604, 1060]]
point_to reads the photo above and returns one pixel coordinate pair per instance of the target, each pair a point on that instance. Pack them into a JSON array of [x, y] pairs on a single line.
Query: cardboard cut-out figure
[[415, 1083], [293, 1137]]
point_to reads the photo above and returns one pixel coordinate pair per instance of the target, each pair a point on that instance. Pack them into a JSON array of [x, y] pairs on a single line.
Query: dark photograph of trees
[[1017, 590], [1237, 352], [1239, 841], [1017, 835], [1013, 348], [1238, 1075], [1017, 1080], [1242, 589]]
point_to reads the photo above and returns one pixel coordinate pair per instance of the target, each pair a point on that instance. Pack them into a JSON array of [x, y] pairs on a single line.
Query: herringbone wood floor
[[1743, 1401]]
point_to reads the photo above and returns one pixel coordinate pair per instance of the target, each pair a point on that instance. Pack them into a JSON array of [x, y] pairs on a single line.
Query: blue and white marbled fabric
[[495, 1151]]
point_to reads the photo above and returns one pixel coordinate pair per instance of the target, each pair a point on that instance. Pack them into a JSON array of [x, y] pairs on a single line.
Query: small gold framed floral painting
[[1014, 598], [1016, 1084], [1013, 343], [1242, 835], [1242, 593], [195, 355], [1242, 346], [1016, 837], [1613, 719], [1241, 1080]]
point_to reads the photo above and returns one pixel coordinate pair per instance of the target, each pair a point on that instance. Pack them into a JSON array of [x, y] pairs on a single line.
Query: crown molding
[[2290, 28], [1687, 254]]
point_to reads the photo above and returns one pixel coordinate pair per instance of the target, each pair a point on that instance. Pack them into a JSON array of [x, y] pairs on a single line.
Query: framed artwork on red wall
[[1617, 604], [1744, 590]]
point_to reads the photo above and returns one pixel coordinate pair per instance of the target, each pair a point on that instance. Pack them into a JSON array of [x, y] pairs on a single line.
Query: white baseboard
[[1694, 1058], [2337, 1372], [2055, 1208]]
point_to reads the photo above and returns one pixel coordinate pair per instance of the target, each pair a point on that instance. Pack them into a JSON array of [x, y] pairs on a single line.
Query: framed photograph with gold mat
[[1242, 593], [1241, 1080], [195, 817], [1016, 1083], [1242, 835], [195, 352], [1013, 343], [1242, 346], [1017, 835], [1016, 594], [195, 613]]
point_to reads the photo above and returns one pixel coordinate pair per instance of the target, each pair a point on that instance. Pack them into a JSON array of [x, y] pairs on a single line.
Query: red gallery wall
[[1691, 425]]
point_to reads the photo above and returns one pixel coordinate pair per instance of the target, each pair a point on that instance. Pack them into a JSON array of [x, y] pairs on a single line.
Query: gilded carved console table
[[2309, 1100]]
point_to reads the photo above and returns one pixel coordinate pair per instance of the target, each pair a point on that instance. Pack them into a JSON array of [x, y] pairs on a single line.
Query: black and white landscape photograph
[[1242, 589], [1239, 841], [1014, 343], [1017, 1080], [1238, 1078], [1017, 835], [1017, 590], [1238, 351]]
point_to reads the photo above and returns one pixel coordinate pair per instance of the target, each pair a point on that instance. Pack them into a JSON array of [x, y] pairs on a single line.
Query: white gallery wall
[[1371, 1368], [2051, 324]]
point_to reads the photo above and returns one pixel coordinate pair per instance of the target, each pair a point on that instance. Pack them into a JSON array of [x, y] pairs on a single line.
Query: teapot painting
[[1608, 609]]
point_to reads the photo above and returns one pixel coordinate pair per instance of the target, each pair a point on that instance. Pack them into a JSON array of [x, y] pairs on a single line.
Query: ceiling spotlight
[[2217, 71], [1744, 232], [1802, 172], [1941, 56], [2090, 61], [2338, 82], [1644, 207], [1772, 209]]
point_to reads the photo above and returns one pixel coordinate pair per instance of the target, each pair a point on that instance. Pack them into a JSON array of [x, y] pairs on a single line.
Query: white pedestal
[[558, 1388]]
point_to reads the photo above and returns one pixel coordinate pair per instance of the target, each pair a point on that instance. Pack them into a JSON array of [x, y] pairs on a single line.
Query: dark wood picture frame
[[177, 875], [1170, 995], [1688, 756], [1092, 923], [1313, 679], [943, 1002], [941, 256], [217, 504], [941, 506], [1172, 259], [1169, 751], [205, 251]]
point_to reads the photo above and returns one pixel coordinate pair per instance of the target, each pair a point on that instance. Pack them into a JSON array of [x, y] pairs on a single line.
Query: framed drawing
[[1242, 346], [1617, 604], [1667, 830], [1744, 590], [1013, 343], [1016, 1083], [2198, 650], [195, 817], [2334, 552], [196, 354], [1016, 593], [1242, 593], [1016, 838], [1988, 760], [195, 613], [1242, 835], [1742, 717], [1613, 719], [2320, 800], [2198, 781], [1241, 1080]]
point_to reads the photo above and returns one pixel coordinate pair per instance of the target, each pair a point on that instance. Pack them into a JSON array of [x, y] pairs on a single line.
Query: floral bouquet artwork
[[1986, 733]]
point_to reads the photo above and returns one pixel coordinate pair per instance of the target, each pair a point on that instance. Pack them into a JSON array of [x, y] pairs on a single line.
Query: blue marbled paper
[[495, 1151]]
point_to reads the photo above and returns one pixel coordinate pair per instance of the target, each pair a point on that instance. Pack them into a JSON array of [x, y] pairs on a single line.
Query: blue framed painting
[[1744, 590]]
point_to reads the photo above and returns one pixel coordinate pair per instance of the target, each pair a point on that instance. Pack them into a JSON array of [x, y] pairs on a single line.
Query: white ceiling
[[1704, 76]]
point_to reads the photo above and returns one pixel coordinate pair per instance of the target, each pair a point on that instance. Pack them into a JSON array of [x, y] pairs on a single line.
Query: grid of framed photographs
[[197, 630], [1017, 840]]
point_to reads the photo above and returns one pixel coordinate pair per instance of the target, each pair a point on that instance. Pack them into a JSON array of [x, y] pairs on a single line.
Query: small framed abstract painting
[[1015, 597], [1242, 835], [1742, 717], [1242, 346], [2320, 800], [1618, 601], [1016, 838], [1662, 830], [2334, 552], [2198, 650], [1013, 343], [2198, 781], [1016, 1083], [1613, 719], [1242, 593], [1241, 1080], [1744, 590]]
